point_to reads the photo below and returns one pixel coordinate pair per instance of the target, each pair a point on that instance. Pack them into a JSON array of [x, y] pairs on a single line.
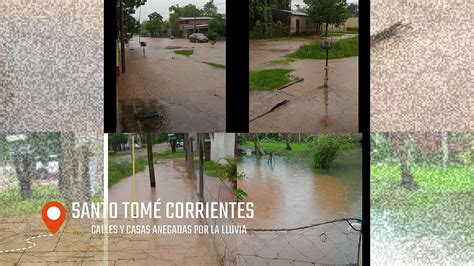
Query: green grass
[[269, 79], [119, 171], [12, 203], [213, 169], [184, 52], [340, 49], [214, 65], [279, 148], [431, 181], [167, 155]]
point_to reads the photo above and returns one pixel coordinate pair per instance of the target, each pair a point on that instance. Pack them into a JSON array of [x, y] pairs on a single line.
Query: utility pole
[[122, 40], [149, 149], [201, 165]]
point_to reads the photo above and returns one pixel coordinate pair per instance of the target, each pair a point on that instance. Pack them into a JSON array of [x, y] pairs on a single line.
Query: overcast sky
[[161, 6]]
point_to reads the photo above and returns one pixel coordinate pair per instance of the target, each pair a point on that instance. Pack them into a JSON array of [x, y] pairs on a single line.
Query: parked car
[[198, 37]]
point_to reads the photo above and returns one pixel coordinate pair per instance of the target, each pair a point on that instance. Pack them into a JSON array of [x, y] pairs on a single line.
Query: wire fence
[[332, 242]]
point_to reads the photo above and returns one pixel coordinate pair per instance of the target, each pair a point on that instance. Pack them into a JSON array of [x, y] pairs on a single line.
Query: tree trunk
[[288, 147], [404, 156], [445, 144], [256, 142], [23, 167]]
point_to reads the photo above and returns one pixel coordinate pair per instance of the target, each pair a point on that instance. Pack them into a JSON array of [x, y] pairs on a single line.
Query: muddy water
[[187, 93], [438, 235], [172, 185], [305, 110], [291, 194], [263, 51]]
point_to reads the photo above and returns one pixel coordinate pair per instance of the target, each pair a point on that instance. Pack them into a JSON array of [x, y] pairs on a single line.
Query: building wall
[[222, 146], [306, 26]]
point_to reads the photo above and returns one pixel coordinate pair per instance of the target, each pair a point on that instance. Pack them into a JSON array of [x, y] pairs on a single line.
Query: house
[[189, 25], [222, 146], [300, 24]]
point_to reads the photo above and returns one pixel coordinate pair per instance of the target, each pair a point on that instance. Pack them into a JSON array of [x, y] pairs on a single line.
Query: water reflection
[[289, 193]]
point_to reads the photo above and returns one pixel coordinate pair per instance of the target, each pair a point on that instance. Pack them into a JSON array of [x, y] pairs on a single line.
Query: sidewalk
[[172, 184]]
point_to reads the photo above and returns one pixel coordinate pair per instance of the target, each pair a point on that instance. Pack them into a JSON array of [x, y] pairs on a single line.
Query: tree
[[288, 146], [353, 10], [130, 24], [445, 144], [188, 10], [402, 143], [23, 150], [326, 148], [210, 9], [256, 142], [216, 26], [117, 139], [327, 12], [154, 24]]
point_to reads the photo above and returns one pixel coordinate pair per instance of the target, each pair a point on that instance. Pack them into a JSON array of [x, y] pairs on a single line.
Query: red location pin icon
[[54, 215]]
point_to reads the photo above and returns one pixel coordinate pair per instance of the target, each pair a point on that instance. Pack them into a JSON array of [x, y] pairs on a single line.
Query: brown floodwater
[[309, 106], [172, 185], [290, 193], [172, 92]]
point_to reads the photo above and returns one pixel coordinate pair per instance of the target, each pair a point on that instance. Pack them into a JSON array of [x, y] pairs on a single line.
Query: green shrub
[[241, 194], [241, 140], [352, 29], [326, 148]]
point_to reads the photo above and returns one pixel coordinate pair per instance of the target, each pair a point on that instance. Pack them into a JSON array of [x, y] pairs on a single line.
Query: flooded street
[[437, 235], [172, 185], [291, 194], [171, 92], [421, 74], [309, 108]]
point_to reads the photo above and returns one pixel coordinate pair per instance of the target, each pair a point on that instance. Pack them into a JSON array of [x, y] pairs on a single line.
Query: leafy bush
[[241, 140], [212, 35], [326, 148], [352, 29], [241, 194], [229, 170]]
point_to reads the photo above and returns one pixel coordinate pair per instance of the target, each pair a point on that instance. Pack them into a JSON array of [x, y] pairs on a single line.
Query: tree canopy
[[327, 11]]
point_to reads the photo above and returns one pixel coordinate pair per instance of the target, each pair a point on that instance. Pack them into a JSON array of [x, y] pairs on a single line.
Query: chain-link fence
[[332, 242]]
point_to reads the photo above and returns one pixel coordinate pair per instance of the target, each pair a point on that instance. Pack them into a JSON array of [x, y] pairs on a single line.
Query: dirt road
[[187, 94]]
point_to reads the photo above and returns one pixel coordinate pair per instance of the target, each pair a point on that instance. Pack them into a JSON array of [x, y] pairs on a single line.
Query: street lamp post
[[326, 46]]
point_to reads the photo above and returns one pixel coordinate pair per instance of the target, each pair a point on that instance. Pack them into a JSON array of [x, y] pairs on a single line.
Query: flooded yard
[[297, 211], [291, 194]]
